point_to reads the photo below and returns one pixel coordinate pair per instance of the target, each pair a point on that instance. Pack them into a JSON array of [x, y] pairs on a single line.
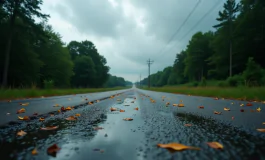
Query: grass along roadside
[[11, 94], [241, 93]]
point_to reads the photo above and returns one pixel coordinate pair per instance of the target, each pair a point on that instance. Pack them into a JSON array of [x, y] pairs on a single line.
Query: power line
[[204, 16], [172, 37], [149, 62], [201, 19]]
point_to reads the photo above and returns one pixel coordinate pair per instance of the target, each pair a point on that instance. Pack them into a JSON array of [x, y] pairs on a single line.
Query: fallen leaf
[[35, 114], [215, 112], [90, 103], [227, 109], [167, 103], [34, 151], [49, 128], [181, 105], [98, 128], [201, 107], [9, 101], [215, 145], [216, 98], [59, 111], [77, 115], [242, 110], [97, 101], [56, 105], [122, 110], [187, 125], [51, 115], [113, 109], [22, 110], [233, 118], [242, 105], [21, 133], [24, 104], [176, 146], [175, 104], [261, 130], [62, 109], [249, 104], [41, 119], [23, 118], [263, 123], [252, 110], [258, 109], [68, 108], [53, 149], [71, 118], [128, 119], [136, 108], [7, 113]]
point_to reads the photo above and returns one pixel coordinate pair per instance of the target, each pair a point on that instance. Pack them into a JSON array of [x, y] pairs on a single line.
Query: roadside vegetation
[[204, 67], [10, 94], [33, 55]]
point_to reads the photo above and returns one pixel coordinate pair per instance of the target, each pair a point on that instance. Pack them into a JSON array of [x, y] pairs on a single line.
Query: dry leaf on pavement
[[215, 145], [177, 146]]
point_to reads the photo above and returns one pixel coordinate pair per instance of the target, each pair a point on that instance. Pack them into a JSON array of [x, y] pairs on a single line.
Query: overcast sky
[[129, 32]]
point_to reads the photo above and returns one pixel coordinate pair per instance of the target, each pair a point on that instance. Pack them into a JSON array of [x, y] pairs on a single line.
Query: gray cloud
[[135, 30]]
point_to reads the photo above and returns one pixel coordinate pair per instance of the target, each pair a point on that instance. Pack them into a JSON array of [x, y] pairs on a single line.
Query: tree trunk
[[8, 46]]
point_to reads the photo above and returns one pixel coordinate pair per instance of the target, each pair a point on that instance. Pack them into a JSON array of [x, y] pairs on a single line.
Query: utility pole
[[140, 80], [149, 62]]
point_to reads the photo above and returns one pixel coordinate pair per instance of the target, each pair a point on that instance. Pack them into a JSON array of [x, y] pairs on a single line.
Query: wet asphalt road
[[153, 123]]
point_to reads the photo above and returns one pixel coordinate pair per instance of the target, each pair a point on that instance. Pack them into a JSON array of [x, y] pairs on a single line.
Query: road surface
[[99, 133]]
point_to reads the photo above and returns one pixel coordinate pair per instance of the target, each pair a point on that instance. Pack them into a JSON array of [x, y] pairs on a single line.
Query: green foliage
[[203, 82], [253, 73], [235, 80], [48, 84], [222, 84]]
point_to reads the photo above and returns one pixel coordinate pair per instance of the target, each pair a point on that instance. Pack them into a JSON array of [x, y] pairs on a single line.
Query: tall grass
[[6, 94], [244, 93]]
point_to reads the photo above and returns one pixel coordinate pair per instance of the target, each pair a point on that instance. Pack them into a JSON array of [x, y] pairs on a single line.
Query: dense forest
[[233, 54], [33, 55]]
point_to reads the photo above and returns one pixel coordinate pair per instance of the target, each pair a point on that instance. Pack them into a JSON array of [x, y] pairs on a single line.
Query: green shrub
[[48, 84], [222, 84], [254, 74], [203, 82], [235, 80]]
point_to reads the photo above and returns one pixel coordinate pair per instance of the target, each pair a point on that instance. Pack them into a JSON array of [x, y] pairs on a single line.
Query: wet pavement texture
[[100, 133]]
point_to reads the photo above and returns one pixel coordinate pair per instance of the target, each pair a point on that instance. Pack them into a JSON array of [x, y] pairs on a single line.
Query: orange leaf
[[215, 112], [176, 146], [21, 133], [34, 151], [215, 145], [122, 110], [227, 109], [68, 108], [77, 115], [263, 123], [90, 103], [188, 125], [113, 109], [22, 110], [53, 149], [175, 104], [136, 108], [49, 128], [261, 130], [201, 107], [167, 103], [128, 119], [41, 119], [71, 118], [249, 104], [24, 118], [181, 105]]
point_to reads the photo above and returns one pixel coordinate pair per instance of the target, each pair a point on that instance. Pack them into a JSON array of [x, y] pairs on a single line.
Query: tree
[[226, 19], [25, 10]]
